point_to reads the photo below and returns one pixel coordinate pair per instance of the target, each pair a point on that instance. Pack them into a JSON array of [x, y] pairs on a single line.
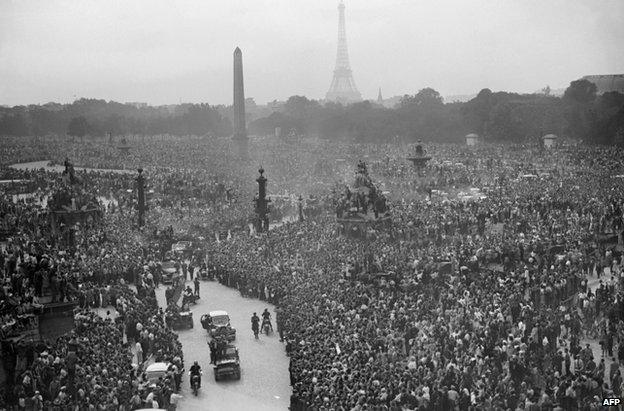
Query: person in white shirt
[[173, 401], [139, 353], [150, 397]]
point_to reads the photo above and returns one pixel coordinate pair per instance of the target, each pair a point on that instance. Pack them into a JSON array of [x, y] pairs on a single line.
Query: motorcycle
[[195, 382], [267, 327], [189, 299]]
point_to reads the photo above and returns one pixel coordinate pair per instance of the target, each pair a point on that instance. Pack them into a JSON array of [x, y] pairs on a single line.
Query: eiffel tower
[[342, 89]]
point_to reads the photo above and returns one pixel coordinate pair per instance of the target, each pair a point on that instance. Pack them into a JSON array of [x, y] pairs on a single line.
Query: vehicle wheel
[[191, 324], [238, 375]]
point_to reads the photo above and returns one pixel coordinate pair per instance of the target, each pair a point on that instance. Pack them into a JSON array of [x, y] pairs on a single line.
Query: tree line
[[98, 118], [580, 114], [496, 116]]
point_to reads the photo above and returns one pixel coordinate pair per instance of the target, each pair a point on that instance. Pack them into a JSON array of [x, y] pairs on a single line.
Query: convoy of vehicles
[[216, 323]]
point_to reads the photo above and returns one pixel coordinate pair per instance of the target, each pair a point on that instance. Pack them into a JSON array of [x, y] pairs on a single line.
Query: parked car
[[228, 364], [217, 323], [156, 370], [183, 247]]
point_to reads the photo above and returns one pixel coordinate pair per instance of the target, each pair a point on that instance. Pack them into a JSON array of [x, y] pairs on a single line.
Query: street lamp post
[[262, 204]]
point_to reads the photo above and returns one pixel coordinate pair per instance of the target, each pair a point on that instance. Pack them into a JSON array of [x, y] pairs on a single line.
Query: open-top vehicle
[[169, 271], [227, 364], [180, 319], [217, 323]]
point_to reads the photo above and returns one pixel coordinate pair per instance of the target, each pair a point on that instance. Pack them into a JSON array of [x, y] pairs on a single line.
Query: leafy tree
[[303, 113], [476, 112], [426, 97], [504, 122], [267, 125], [618, 138], [578, 98], [77, 127], [581, 92], [608, 120], [14, 125], [424, 115]]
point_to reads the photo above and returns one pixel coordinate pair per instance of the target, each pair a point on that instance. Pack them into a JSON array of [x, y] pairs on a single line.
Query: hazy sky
[[164, 52]]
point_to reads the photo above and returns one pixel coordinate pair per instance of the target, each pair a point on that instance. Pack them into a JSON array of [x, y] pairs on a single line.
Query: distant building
[[550, 140], [472, 139], [389, 102], [255, 111], [136, 104], [250, 103], [170, 108], [607, 82], [275, 105], [459, 98]]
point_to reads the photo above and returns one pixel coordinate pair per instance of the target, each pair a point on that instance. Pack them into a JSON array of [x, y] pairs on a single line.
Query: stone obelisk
[[240, 129]]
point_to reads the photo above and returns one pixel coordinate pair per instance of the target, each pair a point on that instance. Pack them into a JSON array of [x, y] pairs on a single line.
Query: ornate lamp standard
[[262, 204]]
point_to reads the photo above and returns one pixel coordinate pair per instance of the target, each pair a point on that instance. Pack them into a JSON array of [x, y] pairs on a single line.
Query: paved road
[[264, 384]]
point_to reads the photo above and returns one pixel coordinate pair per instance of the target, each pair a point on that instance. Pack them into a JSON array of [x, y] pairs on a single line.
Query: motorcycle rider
[[196, 371], [255, 324], [188, 295], [279, 324], [266, 318]]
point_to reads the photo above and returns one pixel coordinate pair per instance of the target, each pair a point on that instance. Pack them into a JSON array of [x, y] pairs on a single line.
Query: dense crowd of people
[[463, 302], [91, 368], [500, 329]]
